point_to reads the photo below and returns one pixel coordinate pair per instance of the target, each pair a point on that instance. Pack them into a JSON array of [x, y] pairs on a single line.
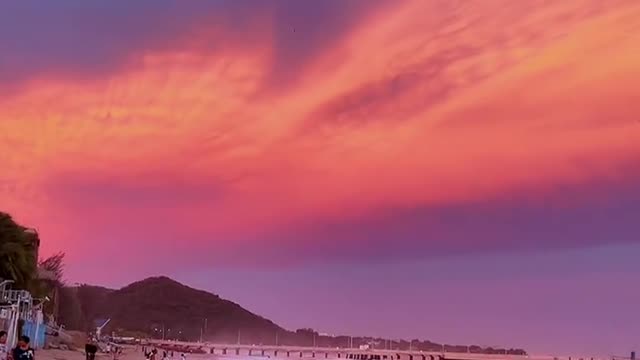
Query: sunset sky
[[458, 171]]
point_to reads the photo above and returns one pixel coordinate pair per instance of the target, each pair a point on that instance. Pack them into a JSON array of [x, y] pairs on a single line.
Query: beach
[[129, 353]]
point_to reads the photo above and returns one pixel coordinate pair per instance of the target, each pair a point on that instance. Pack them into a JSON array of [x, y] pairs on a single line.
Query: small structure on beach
[[99, 325], [21, 314]]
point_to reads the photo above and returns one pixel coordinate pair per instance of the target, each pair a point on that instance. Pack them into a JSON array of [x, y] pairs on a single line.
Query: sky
[[469, 169]]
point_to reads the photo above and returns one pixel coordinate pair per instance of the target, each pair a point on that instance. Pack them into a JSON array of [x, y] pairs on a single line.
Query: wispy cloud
[[207, 139]]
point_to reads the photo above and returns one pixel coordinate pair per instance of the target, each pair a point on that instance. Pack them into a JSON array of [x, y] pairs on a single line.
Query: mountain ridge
[[149, 305], [161, 307]]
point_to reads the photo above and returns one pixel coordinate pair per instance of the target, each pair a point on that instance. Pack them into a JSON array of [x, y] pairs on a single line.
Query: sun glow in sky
[[294, 137]]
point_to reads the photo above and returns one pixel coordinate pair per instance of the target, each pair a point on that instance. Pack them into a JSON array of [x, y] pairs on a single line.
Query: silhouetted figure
[[4, 352], [90, 350], [23, 351]]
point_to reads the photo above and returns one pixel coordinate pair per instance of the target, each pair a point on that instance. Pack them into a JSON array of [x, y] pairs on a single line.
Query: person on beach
[[112, 350], [3, 345], [24, 351], [90, 349]]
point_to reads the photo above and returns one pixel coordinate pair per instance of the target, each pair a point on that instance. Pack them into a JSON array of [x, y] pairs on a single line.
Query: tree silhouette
[[18, 252]]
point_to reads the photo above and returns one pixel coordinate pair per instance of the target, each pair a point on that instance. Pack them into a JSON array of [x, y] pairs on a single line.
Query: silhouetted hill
[[147, 307], [161, 302], [158, 303]]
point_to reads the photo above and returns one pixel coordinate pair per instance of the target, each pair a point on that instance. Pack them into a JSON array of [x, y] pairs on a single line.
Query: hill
[[159, 306], [158, 303]]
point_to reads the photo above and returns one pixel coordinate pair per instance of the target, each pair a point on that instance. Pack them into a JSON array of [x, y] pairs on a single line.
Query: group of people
[[22, 351], [91, 349], [153, 354], [114, 350]]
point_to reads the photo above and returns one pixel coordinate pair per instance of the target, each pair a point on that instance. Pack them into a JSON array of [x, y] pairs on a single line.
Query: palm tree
[[18, 252], [51, 275]]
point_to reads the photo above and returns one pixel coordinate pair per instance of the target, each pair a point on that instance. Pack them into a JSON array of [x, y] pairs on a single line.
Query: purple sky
[[467, 168]]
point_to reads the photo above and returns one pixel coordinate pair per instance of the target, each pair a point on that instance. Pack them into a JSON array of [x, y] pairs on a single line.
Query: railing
[[10, 316], [15, 296], [19, 305]]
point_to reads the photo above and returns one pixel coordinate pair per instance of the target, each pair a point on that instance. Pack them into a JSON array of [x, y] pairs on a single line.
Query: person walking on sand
[[90, 349], [24, 351], [3, 345]]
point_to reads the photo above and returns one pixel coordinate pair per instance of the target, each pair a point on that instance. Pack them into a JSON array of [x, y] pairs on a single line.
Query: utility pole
[[206, 326], [314, 340], [163, 331], [238, 336], [276, 338]]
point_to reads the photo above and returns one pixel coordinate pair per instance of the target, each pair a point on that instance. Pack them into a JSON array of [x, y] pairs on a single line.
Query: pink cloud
[[405, 111]]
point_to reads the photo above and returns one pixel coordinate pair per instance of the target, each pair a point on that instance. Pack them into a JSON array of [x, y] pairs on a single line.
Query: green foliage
[[18, 252]]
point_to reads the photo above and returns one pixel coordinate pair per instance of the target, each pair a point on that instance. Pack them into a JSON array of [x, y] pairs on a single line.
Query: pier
[[297, 352]]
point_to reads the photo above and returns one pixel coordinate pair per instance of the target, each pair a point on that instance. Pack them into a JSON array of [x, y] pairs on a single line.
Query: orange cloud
[[427, 103]]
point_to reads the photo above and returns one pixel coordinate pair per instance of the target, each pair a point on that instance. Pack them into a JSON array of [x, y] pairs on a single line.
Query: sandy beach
[[54, 354], [128, 354]]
